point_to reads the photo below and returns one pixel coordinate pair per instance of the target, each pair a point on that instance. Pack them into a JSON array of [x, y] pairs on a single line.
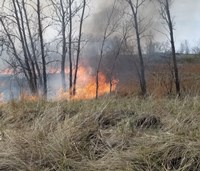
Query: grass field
[[160, 79], [112, 134]]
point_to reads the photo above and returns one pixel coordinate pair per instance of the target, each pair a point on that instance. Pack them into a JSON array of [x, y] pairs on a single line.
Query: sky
[[186, 15], [187, 20]]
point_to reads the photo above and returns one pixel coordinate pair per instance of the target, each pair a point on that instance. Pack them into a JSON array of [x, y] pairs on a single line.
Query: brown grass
[[160, 82], [123, 134]]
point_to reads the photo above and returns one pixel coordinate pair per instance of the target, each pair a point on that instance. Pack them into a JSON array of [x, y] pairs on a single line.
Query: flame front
[[24, 96], [86, 85], [6, 72]]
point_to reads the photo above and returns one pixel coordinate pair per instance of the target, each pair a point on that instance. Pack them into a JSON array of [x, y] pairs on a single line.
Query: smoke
[[184, 11], [124, 67], [100, 11]]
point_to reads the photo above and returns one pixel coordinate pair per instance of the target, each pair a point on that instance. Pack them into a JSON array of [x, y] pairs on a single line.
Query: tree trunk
[[64, 46], [79, 47], [142, 68], [21, 64], [33, 81], [107, 32], [64, 51], [99, 65], [26, 58], [70, 49], [32, 45], [176, 72], [42, 50]]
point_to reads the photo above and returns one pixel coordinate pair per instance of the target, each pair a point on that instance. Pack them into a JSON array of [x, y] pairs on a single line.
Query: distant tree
[[152, 47], [185, 47], [166, 16], [196, 49]]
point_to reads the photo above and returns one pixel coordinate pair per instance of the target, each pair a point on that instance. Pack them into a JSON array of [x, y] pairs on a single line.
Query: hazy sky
[[187, 20], [186, 14]]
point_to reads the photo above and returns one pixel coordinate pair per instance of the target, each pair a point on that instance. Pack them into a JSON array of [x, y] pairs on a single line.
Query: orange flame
[[28, 97], [56, 70], [86, 85], [6, 72]]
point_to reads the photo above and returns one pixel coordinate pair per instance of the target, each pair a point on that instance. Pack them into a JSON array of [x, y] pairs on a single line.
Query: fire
[[25, 96], [6, 72], [53, 70], [86, 85]]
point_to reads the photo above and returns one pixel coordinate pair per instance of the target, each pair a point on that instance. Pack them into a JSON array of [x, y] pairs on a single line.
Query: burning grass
[[86, 85], [109, 134]]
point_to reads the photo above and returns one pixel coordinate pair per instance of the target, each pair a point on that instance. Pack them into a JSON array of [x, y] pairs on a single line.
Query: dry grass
[[160, 82], [112, 134]]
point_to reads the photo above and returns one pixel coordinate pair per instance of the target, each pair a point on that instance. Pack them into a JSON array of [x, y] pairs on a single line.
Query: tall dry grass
[[160, 80], [113, 134]]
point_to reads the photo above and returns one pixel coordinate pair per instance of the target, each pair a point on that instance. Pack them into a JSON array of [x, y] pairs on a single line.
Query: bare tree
[[40, 31], [135, 6], [66, 16], [21, 39], [22, 31], [33, 48], [79, 46], [19, 35], [196, 49], [61, 19], [184, 47], [166, 15], [70, 48], [151, 46], [110, 28], [116, 52]]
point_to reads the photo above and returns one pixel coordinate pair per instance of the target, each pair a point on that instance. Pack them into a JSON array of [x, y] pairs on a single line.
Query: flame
[[25, 96], [86, 85], [6, 72], [53, 70]]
